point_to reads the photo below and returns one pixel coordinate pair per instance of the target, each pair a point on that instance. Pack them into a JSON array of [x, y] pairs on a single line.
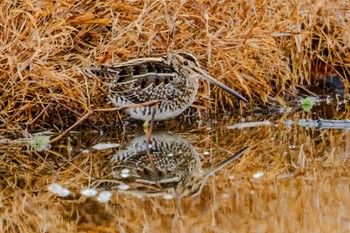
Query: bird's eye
[[185, 63]]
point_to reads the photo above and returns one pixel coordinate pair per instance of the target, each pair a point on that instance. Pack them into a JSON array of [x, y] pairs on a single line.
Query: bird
[[172, 80], [175, 168]]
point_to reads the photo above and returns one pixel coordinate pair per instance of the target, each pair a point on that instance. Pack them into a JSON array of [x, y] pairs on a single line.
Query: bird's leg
[[150, 129]]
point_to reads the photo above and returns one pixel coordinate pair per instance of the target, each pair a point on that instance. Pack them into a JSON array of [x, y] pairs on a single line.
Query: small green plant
[[307, 104], [40, 142]]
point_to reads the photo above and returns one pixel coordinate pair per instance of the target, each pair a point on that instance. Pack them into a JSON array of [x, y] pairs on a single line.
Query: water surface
[[293, 178]]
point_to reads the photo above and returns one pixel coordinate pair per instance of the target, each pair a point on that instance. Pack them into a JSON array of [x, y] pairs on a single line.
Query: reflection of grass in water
[[312, 198]]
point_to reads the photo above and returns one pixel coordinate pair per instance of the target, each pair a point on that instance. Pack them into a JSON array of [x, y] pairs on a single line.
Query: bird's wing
[[138, 80]]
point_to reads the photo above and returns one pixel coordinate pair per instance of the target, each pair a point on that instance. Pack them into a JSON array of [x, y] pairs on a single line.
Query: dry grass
[[262, 49]]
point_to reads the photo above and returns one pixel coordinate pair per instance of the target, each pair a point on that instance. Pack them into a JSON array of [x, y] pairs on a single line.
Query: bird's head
[[187, 66]]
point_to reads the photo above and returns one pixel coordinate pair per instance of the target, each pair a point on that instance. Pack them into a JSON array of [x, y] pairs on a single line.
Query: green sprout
[[307, 104], [40, 142]]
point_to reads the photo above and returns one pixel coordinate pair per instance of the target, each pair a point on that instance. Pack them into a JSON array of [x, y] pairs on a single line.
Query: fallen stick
[[101, 110]]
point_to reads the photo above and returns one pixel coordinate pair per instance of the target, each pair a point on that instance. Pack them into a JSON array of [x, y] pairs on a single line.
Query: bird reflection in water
[[167, 166]]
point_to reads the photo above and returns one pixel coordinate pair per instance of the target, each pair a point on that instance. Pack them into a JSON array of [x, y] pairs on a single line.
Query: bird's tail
[[101, 72]]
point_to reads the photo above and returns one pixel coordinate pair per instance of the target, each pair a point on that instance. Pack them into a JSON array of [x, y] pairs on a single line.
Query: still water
[[294, 176]]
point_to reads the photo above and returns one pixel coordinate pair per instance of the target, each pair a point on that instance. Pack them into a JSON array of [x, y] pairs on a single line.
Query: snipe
[[175, 168], [171, 79]]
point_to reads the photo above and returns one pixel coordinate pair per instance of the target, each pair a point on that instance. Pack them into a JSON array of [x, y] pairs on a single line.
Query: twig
[[101, 110], [73, 126], [40, 114]]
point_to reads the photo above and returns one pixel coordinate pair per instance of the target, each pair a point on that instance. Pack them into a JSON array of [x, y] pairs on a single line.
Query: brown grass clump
[[260, 48]]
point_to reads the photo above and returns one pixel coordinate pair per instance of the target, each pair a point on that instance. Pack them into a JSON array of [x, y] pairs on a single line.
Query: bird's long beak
[[224, 163], [219, 84]]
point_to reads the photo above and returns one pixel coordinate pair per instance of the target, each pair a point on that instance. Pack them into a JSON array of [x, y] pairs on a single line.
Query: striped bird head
[[187, 66]]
